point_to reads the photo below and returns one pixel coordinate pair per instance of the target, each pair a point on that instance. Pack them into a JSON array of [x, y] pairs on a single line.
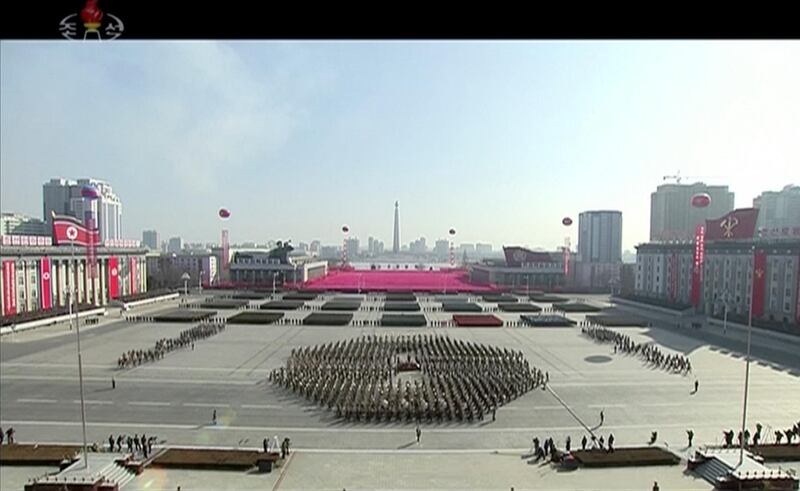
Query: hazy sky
[[499, 140]]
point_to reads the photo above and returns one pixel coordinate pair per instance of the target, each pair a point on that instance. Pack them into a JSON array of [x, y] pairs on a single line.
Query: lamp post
[[78, 337], [747, 364], [185, 277]]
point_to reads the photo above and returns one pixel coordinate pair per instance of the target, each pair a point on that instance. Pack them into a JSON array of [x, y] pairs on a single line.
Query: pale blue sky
[[497, 139]]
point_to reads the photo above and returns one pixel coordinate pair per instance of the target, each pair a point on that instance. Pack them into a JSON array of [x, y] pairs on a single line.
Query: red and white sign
[[16, 240], [132, 273], [70, 231], [9, 288], [45, 280], [697, 270], [759, 281], [113, 277], [122, 243]]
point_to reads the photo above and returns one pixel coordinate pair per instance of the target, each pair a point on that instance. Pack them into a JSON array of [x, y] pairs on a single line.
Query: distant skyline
[[499, 140]]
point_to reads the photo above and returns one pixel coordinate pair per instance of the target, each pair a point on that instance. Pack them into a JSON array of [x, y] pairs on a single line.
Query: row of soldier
[[134, 443], [649, 352], [463, 381], [163, 346]]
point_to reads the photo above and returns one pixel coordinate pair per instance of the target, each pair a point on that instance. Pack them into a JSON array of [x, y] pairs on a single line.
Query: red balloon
[[345, 229], [452, 231], [223, 213], [567, 221], [701, 200], [90, 192]]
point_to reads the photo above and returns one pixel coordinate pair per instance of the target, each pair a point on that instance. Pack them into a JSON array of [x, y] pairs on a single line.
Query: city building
[[418, 246], [63, 197], [719, 268], [779, 212], [672, 216], [35, 277], [274, 268], [483, 250], [442, 249], [599, 260], [523, 270], [19, 224], [166, 270], [352, 245], [150, 240], [330, 252], [396, 237], [314, 247], [175, 245]]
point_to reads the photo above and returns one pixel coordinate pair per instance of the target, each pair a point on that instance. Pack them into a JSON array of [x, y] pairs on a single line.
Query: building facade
[[19, 224], [63, 197], [779, 211], [175, 245], [600, 236], [523, 269], [39, 278], [166, 270], [150, 240], [672, 216], [263, 269]]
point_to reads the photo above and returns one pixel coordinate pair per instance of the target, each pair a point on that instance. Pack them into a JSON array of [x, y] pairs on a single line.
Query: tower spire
[[396, 242]]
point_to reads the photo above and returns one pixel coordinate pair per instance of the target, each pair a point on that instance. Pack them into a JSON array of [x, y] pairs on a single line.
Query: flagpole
[[80, 363], [747, 364]]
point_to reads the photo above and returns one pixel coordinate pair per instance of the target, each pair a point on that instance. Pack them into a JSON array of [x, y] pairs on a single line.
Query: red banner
[[113, 277], [93, 237], [738, 224], [697, 270], [132, 274], [797, 307], [46, 290], [674, 277], [759, 281], [9, 288], [70, 231]]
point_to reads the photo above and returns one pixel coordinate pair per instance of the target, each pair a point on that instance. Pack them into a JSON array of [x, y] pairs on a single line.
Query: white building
[[63, 196], [779, 211], [672, 216]]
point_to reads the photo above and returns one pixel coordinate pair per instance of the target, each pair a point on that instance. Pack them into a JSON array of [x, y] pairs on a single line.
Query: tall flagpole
[[80, 363], [747, 364]]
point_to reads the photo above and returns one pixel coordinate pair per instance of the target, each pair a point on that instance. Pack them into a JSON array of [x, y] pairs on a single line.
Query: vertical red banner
[[9, 288], [697, 270], [759, 282], [673, 268], [45, 283], [91, 245], [113, 277], [132, 272]]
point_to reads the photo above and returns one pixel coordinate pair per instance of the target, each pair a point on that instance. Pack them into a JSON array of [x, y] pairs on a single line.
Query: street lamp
[[185, 277]]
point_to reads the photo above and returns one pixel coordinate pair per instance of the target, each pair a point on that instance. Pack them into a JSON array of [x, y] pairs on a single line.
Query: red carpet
[[455, 280]]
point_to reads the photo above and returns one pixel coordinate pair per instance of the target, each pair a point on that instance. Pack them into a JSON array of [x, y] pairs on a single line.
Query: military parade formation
[[648, 352], [361, 379], [163, 346]]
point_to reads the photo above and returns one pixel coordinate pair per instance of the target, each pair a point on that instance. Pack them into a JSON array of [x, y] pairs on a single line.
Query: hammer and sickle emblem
[[728, 225]]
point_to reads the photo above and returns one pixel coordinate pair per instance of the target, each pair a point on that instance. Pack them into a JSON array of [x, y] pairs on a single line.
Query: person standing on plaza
[[602, 416], [113, 383], [214, 417], [690, 435], [419, 434]]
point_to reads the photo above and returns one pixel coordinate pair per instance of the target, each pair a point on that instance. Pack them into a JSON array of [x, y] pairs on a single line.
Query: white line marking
[[139, 380], [601, 406], [103, 403], [40, 401], [204, 404], [148, 403], [261, 406]]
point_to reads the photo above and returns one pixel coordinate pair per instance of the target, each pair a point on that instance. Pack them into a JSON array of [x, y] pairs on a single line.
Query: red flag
[[113, 277], [697, 270], [738, 224], [9, 288], [70, 230], [759, 280], [132, 274], [46, 293]]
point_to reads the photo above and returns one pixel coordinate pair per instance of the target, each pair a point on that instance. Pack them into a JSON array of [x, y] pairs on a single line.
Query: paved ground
[[174, 399]]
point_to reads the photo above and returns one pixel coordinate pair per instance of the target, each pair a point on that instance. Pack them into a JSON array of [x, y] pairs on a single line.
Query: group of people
[[8, 435], [134, 444], [651, 353], [164, 345], [360, 378], [789, 433], [271, 446]]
